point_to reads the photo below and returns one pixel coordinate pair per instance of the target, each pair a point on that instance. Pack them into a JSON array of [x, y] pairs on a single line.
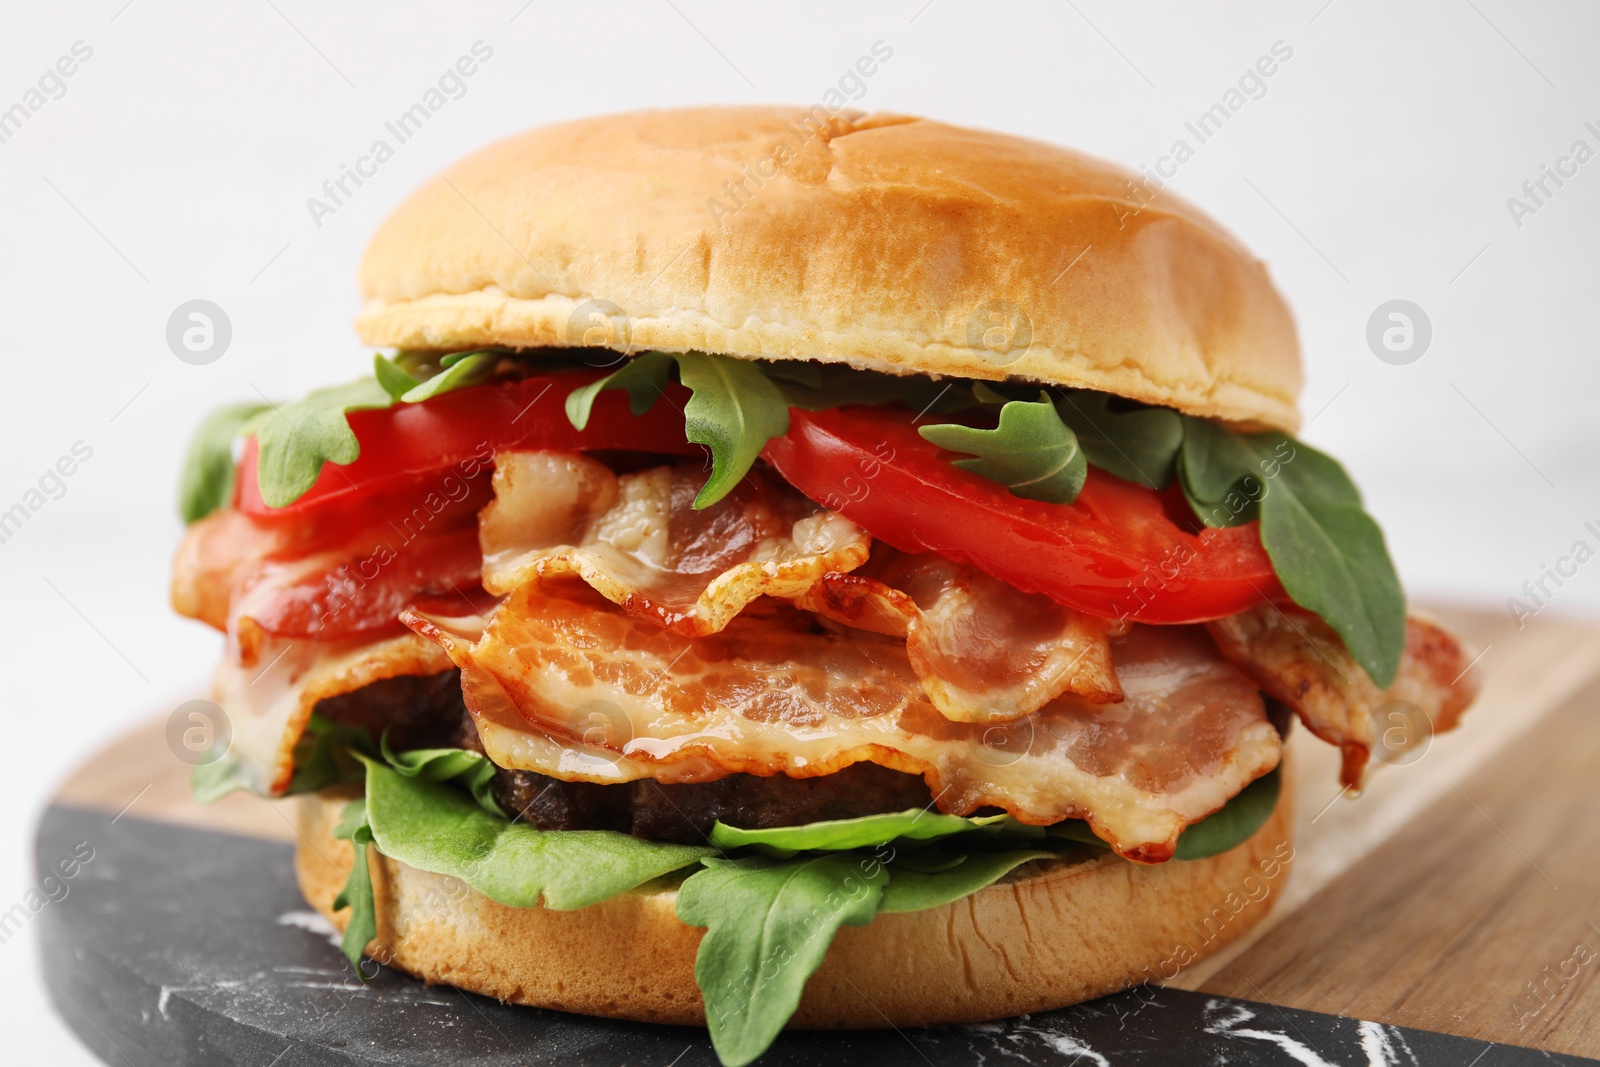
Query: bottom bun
[[1053, 933]]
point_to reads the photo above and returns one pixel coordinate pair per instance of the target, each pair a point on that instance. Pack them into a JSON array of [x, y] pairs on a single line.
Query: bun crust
[[1051, 935], [882, 241]]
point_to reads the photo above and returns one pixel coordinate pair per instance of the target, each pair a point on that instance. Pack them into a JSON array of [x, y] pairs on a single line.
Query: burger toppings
[[770, 694], [637, 540], [796, 628], [983, 651], [1294, 656], [1001, 578]]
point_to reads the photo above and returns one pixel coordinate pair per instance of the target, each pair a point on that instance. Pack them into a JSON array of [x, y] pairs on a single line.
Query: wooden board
[[1457, 895]]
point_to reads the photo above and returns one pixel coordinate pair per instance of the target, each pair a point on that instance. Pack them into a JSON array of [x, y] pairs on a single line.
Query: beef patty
[[428, 712]]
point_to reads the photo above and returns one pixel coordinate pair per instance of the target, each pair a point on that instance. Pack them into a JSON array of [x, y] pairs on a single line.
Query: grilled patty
[[428, 712]]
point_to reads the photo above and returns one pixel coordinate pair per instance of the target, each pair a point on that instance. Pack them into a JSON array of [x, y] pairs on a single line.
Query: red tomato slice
[[460, 432], [361, 582], [400, 523], [1112, 553]]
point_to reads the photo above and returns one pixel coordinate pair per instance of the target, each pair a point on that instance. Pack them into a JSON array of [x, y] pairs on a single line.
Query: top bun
[[886, 242]]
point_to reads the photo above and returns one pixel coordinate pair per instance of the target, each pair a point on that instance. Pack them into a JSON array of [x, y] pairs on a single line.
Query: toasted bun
[[1052, 934], [882, 241]]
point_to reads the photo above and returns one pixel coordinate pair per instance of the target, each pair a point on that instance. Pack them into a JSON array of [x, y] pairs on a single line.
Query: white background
[[177, 165]]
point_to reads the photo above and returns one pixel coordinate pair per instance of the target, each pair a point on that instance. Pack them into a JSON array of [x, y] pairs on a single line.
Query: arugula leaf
[[1327, 551], [471, 769], [644, 377], [357, 892], [210, 782], [734, 410], [1227, 828], [435, 827], [793, 372], [1138, 444], [865, 831], [1235, 823], [206, 484], [836, 384], [914, 888], [326, 754], [768, 925], [1031, 452], [461, 369], [395, 379], [296, 439]]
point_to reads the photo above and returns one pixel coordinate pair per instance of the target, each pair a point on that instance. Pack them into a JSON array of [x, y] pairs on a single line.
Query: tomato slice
[[459, 432], [1116, 552], [1113, 553], [360, 584], [400, 523]]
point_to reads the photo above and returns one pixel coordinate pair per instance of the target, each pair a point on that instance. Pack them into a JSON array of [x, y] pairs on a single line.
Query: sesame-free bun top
[[886, 242]]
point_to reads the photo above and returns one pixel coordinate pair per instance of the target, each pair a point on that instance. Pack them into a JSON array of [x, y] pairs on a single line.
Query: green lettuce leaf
[[326, 754], [206, 484], [296, 439], [1327, 551], [768, 925], [734, 409], [817, 387], [210, 782], [460, 369], [644, 377], [913, 887], [357, 892], [470, 769], [1137, 444], [769, 918], [434, 827], [1235, 824], [1228, 828], [1031, 452], [865, 831], [393, 376]]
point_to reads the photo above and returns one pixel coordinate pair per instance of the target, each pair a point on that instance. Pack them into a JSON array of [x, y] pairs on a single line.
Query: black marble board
[[178, 946]]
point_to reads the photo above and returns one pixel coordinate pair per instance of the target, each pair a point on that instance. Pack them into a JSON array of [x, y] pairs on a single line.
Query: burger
[[796, 569]]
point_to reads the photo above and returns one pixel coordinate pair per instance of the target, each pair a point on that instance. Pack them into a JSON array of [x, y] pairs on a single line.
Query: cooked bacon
[[982, 650], [218, 555], [269, 696], [770, 695], [1298, 658], [639, 542], [255, 580]]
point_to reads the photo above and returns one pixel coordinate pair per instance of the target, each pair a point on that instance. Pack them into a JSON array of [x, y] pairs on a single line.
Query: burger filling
[[698, 617]]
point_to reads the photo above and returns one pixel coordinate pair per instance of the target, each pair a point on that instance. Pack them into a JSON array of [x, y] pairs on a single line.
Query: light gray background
[[1376, 166]]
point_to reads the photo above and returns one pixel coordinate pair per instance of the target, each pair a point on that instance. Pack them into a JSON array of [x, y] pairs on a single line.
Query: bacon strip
[[1298, 658], [269, 698], [638, 541], [254, 580], [770, 695], [982, 650]]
